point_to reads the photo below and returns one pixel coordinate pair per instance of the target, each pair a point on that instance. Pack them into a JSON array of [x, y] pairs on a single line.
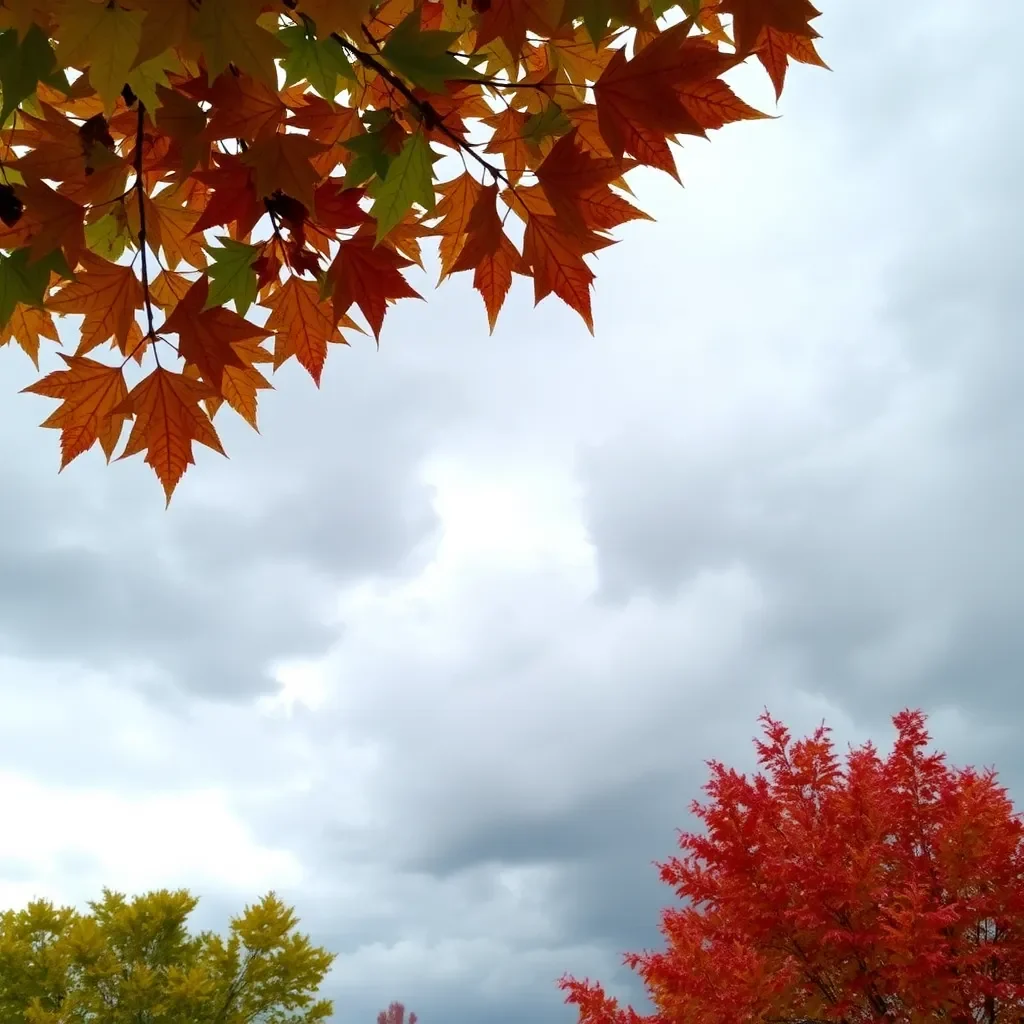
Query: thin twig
[[140, 190], [430, 116]]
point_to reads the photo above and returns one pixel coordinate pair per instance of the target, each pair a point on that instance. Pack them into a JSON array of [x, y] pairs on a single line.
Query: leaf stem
[[140, 190], [430, 116]]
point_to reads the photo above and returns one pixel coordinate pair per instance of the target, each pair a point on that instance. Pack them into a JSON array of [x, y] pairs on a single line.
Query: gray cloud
[[241, 572]]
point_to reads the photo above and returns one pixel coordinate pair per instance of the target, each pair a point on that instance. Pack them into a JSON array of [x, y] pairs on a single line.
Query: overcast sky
[[440, 654]]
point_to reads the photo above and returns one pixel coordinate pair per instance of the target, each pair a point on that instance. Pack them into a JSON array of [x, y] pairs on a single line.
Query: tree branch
[[140, 190], [430, 116]]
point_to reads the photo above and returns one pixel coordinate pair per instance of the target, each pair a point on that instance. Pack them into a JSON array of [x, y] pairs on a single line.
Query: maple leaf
[[282, 163], [508, 140], [168, 288], [231, 275], [25, 281], [489, 253], [343, 16], [171, 227], [458, 197], [409, 180], [423, 56], [167, 420], [91, 394], [243, 108], [369, 277], [108, 294], [230, 35], [555, 256], [207, 337], [510, 20], [234, 198], [320, 61], [61, 220], [26, 326], [25, 61], [240, 384], [303, 324], [777, 48], [182, 120], [751, 17], [638, 101], [568, 171], [103, 37]]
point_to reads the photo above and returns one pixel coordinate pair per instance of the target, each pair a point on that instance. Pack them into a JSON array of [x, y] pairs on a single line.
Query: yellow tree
[[136, 962]]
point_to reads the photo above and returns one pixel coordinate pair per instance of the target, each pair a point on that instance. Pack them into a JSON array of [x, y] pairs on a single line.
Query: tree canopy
[[883, 889], [135, 962], [216, 186]]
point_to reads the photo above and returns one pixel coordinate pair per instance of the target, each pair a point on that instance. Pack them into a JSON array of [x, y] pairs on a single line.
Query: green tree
[[136, 962]]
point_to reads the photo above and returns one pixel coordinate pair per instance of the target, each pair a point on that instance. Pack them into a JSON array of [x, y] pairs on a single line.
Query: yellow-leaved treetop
[[136, 962], [218, 186]]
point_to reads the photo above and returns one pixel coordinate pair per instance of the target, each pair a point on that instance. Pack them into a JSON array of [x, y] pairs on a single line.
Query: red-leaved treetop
[[879, 889], [395, 1014]]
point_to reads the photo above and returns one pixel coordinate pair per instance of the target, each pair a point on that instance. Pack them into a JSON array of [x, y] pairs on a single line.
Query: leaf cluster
[[131, 961], [217, 187]]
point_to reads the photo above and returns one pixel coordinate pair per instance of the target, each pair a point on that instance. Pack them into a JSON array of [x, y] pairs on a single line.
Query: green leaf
[[409, 180], [371, 158], [21, 281], [550, 122], [24, 65], [596, 16], [318, 61], [231, 275], [145, 77], [107, 236], [423, 57]]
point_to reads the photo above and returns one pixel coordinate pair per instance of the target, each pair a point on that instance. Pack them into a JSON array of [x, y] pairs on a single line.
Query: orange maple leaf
[[490, 254], [108, 294], [303, 324], [243, 108], [775, 50], [751, 17], [368, 276], [638, 101], [568, 171], [509, 142], [91, 394], [282, 163], [555, 256], [207, 337], [168, 288], [510, 20], [27, 325], [61, 221], [240, 384], [454, 209], [168, 419]]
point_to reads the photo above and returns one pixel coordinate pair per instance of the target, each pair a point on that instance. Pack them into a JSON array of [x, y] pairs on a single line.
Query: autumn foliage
[[133, 960], [219, 186], [883, 889]]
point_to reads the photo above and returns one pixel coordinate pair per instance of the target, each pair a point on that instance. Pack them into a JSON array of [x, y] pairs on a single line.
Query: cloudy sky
[[439, 656]]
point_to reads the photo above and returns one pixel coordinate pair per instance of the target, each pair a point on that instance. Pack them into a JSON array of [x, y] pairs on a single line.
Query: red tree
[[888, 889], [395, 1014]]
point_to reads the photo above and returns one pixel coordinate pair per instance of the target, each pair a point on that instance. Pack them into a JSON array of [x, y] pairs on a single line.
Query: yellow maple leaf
[[103, 37], [230, 34]]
